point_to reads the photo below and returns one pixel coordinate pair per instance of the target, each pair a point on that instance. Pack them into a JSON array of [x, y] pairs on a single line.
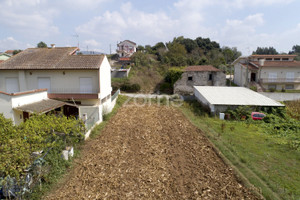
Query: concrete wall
[[185, 87], [9, 102], [62, 81], [6, 106], [281, 73], [105, 79]]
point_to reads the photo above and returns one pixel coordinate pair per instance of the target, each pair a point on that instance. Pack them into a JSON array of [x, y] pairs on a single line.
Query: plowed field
[[150, 152]]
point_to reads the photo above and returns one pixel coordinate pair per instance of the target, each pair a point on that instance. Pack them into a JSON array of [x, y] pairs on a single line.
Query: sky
[[98, 25]]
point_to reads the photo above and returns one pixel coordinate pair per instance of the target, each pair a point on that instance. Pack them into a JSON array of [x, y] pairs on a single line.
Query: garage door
[[86, 85], [12, 85], [44, 83]]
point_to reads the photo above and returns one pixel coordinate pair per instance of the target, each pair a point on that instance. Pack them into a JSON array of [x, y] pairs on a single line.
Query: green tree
[[177, 55], [41, 44], [265, 51], [16, 51]]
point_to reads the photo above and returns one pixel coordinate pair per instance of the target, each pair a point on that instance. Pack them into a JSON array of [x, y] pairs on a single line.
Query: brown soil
[[150, 153]]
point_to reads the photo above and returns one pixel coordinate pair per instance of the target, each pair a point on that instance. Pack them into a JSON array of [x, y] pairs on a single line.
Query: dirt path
[[150, 153]]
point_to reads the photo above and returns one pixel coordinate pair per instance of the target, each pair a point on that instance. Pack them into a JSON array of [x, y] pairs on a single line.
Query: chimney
[[52, 46], [261, 62]]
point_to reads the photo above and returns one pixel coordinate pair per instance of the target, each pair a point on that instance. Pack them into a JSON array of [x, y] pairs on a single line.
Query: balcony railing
[[72, 91], [280, 80]]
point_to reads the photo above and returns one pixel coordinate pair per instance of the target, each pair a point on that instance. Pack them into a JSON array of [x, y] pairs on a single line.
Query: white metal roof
[[234, 96]]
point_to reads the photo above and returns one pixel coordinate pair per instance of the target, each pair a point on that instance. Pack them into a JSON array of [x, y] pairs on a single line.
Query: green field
[[266, 160]]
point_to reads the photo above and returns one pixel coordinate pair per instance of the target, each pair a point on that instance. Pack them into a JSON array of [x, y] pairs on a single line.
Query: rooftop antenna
[[77, 36]]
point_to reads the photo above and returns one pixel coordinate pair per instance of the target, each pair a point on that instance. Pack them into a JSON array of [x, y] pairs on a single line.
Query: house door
[[253, 76], [25, 116]]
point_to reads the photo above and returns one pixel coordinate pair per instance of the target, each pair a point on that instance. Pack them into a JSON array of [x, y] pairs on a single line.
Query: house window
[[285, 58], [210, 77], [190, 78], [86, 85], [290, 76], [12, 85], [277, 59], [44, 83], [272, 76], [268, 59], [289, 87]]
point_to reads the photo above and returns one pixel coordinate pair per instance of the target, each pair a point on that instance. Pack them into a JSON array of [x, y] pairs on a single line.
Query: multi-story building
[[81, 80], [270, 71]]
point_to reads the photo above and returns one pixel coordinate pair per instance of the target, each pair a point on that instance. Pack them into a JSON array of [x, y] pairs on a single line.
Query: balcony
[[280, 80], [73, 93]]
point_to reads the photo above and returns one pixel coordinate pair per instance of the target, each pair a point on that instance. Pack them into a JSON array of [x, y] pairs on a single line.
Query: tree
[[265, 51], [16, 51], [41, 44], [230, 54], [140, 48]]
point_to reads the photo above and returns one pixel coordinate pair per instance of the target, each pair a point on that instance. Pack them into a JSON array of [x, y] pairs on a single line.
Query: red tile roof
[[202, 68], [273, 56], [124, 59], [279, 64], [52, 58]]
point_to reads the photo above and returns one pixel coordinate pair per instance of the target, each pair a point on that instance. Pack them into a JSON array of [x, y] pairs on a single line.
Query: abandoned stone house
[[200, 75]]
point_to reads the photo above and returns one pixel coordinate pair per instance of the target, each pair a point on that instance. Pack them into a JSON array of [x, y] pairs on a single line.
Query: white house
[[18, 106], [270, 71], [81, 80], [126, 48]]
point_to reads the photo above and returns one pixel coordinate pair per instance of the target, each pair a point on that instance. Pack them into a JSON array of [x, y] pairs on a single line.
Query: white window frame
[[290, 76], [272, 77], [12, 85], [86, 85], [44, 83]]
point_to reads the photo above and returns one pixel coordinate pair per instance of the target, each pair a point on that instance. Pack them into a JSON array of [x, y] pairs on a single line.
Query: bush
[[272, 89], [127, 87], [254, 88]]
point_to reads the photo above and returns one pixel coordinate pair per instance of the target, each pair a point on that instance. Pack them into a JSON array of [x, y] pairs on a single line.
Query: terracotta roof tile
[[52, 58], [273, 56], [202, 68], [279, 64]]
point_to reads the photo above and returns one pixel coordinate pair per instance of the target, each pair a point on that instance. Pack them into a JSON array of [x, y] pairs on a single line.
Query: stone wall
[[184, 86]]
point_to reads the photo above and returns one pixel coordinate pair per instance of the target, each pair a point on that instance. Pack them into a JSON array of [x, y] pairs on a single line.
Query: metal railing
[[115, 95], [72, 91]]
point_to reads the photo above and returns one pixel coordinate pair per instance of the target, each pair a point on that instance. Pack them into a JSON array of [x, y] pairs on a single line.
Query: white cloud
[[129, 22], [9, 43], [247, 3], [28, 18]]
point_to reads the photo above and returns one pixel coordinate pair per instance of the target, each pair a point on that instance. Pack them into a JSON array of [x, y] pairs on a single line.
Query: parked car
[[257, 115]]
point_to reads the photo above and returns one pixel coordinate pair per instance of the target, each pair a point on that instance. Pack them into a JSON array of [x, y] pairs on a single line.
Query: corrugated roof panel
[[234, 96]]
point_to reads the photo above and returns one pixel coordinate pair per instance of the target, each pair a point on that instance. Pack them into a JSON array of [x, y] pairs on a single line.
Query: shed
[[219, 99]]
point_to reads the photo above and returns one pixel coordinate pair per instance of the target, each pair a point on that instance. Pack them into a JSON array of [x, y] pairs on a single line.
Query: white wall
[[24, 99], [105, 78], [9, 102], [62, 81], [6, 106]]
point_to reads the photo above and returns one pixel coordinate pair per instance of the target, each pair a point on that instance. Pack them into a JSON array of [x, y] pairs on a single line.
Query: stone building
[[200, 75]]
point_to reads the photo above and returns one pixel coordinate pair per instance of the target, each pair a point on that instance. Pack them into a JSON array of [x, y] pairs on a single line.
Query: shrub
[[254, 88], [127, 87], [272, 89]]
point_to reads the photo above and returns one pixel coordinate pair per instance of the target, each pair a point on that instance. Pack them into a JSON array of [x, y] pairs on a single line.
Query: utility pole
[[110, 49]]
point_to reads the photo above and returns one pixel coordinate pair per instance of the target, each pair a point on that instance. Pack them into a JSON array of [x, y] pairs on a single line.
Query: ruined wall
[[184, 86]]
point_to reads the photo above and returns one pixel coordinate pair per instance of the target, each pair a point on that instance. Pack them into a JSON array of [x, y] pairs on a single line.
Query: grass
[[271, 167]]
